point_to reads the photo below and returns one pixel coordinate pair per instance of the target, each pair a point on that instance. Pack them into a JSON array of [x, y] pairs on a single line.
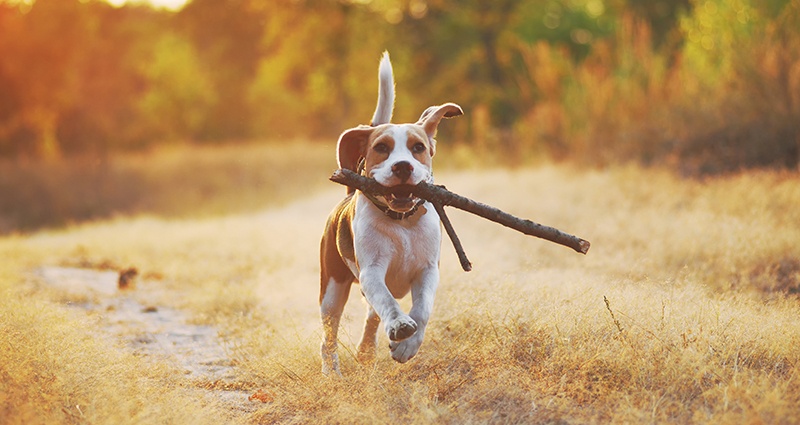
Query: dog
[[390, 244]]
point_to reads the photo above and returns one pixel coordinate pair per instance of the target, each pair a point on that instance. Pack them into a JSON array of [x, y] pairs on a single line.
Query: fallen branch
[[451, 232], [440, 196]]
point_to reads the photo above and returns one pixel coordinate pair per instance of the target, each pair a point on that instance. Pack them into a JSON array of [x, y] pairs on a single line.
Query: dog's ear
[[430, 118], [449, 112], [352, 145]]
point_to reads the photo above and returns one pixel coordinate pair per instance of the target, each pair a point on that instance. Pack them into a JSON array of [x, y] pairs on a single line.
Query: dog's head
[[396, 154]]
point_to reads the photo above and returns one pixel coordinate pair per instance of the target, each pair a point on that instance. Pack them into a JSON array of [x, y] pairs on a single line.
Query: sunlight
[[166, 4]]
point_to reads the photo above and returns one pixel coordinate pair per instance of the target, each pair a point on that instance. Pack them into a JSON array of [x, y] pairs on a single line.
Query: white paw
[[401, 328], [330, 365], [403, 351]]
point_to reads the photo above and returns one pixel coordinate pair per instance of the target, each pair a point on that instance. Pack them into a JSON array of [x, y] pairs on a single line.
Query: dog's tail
[[383, 111]]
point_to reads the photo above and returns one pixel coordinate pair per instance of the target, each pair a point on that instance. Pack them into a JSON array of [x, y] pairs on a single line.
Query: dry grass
[[685, 310], [174, 181]]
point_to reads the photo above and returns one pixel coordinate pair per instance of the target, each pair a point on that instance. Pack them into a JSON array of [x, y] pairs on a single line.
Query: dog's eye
[[418, 148], [381, 148]]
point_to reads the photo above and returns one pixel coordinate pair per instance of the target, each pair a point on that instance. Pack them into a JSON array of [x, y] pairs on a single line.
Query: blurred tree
[[572, 24], [227, 36], [40, 55], [742, 57], [179, 94], [111, 78], [71, 72], [462, 51], [663, 16], [319, 71]]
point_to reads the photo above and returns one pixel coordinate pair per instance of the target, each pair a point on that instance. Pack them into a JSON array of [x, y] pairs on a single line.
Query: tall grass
[[183, 181], [685, 310]]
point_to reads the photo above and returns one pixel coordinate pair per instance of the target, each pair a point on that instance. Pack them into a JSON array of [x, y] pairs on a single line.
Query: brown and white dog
[[389, 244]]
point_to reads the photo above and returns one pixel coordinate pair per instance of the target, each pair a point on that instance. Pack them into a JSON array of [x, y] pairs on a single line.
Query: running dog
[[390, 244]]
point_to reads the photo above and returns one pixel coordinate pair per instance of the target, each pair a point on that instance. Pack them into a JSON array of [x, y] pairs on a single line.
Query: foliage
[[746, 77], [703, 85], [179, 93]]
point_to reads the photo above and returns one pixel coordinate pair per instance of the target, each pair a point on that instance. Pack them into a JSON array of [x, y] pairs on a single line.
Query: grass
[[177, 181], [685, 310]]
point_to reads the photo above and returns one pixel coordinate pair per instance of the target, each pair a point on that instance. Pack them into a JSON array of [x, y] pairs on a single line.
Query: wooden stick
[[451, 232], [438, 194]]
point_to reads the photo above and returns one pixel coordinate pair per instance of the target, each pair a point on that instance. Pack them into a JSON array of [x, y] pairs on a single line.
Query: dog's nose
[[402, 170]]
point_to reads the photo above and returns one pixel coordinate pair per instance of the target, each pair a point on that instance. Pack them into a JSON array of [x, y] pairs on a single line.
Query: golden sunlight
[[166, 4]]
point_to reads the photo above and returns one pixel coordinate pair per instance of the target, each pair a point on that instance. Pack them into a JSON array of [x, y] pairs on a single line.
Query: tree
[[227, 36], [179, 94], [40, 53]]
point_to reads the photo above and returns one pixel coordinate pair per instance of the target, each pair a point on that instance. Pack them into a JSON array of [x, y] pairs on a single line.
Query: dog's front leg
[[422, 295], [399, 325]]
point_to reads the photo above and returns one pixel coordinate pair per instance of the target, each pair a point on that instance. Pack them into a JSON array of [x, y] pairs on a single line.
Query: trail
[[162, 334], [134, 318]]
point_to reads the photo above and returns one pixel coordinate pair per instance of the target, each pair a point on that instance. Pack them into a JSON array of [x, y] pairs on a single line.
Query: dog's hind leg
[[366, 348], [332, 302]]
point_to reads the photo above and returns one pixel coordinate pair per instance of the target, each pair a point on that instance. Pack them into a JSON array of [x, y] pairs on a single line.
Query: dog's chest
[[401, 247]]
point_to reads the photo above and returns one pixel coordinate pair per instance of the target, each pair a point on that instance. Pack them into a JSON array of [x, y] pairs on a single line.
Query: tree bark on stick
[[451, 232], [439, 195]]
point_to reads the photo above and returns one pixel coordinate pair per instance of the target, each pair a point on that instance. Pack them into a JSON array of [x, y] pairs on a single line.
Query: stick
[[451, 232], [442, 196]]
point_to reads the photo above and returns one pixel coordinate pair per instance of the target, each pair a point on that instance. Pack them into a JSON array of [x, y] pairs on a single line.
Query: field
[[685, 310]]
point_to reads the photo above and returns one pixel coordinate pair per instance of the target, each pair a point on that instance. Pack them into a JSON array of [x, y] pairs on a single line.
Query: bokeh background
[[698, 86], [705, 84]]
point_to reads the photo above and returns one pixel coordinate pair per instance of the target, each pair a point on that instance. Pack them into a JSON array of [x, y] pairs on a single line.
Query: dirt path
[[163, 334]]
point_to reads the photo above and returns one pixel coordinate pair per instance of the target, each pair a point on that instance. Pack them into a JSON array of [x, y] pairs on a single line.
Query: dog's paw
[[401, 328], [403, 351], [331, 371], [330, 365]]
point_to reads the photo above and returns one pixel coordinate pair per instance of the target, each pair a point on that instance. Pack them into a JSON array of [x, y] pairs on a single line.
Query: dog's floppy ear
[[352, 145], [351, 148], [430, 118]]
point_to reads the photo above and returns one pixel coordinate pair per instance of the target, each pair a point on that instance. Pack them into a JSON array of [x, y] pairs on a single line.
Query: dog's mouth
[[401, 199]]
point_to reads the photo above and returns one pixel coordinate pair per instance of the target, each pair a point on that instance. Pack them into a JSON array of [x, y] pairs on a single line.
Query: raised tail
[[383, 111]]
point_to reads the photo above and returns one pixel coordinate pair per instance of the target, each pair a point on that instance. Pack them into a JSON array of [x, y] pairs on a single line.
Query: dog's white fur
[[388, 257]]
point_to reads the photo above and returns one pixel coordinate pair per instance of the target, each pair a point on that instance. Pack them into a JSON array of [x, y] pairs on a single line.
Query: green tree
[[742, 58], [319, 72], [179, 94], [227, 37]]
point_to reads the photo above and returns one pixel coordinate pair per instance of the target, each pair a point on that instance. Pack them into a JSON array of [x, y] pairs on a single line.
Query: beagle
[[388, 244]]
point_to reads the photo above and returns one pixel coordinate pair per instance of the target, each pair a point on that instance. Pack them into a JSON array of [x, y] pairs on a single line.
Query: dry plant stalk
[[613, 317], [439, 196]]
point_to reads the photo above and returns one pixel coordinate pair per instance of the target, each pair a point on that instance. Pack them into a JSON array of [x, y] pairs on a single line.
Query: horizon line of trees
[[704, 85]]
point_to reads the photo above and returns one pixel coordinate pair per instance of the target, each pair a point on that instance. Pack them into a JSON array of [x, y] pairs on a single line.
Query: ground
[[684, 310]]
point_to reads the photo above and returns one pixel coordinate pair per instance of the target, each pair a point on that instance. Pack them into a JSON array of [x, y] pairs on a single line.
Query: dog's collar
[[394, 215]]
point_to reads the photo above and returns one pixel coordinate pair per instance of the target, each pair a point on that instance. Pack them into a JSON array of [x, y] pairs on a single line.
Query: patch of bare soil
[[163, 334]]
